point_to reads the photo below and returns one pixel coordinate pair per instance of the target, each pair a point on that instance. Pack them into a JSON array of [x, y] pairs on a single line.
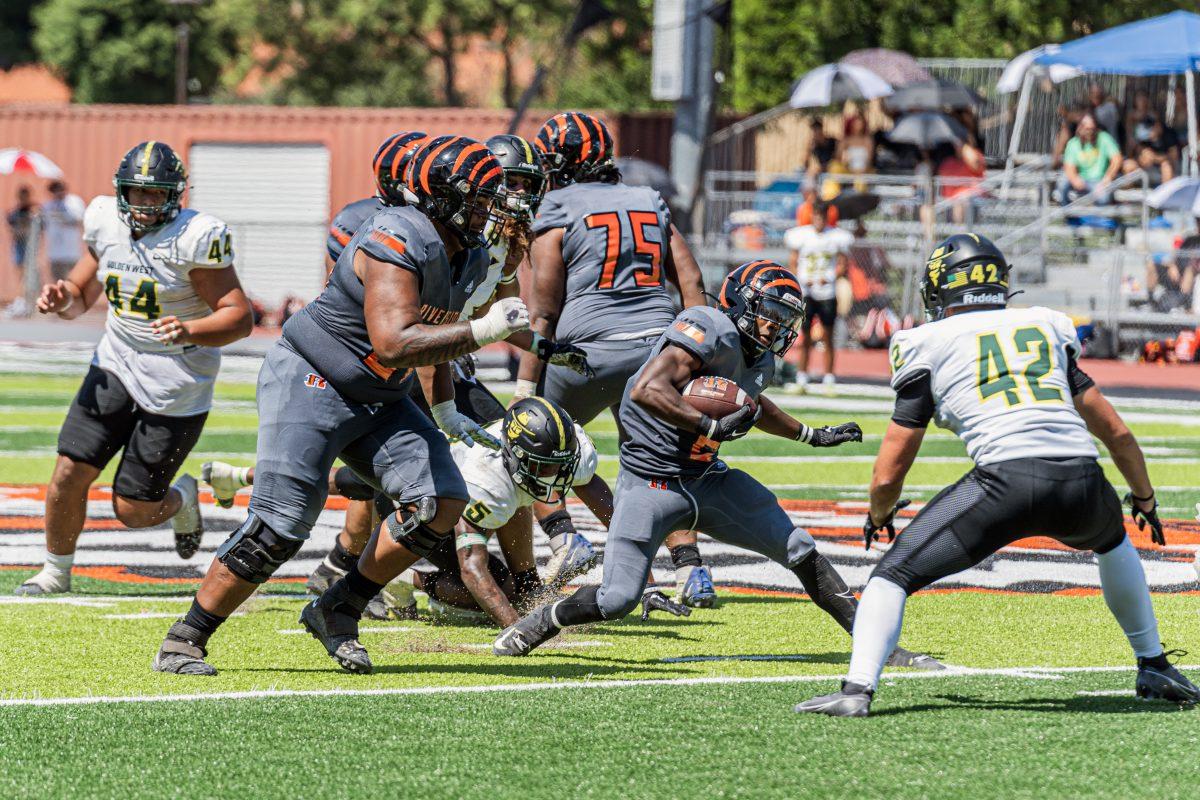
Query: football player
[[337, 385], [173, 301], [602, 256], [1008, 382], [671, 477]]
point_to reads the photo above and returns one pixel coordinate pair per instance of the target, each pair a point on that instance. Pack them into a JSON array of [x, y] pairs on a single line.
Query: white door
[[275, 197]]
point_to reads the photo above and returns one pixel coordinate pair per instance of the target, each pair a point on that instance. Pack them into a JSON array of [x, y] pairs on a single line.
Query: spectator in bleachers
[[968, 119], [1179, 122], [856, 150], [1070, 116], [804, 213], [966, 169], [1155, 150], [1105, 111], [20, 228], [1171, 282], [821, 149], [1138, 111], [1090, 162]]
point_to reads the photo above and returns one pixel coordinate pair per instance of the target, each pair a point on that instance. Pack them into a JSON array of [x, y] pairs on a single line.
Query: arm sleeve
[[390, 245], [551, 214], [914, 401], [693, 331], [664, 213], [588, 460], [214, 246], [1077, 379]]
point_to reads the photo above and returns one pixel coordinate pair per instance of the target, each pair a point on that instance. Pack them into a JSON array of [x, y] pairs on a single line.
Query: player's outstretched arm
[[545, 301], [71, 296], [896, 456], [777, 422], [684, 272], [596, 495], [473, 563], [232, 318]]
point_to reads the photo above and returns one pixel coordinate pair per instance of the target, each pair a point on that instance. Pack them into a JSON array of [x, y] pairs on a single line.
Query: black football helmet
[[519, 158], [964, 270], [576, 147], [459, 183], [763, 292], [389, 164], [151, 165], [539, 447]]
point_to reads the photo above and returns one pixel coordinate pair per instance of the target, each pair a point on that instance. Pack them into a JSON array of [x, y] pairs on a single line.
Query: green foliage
[[611, 65], [16, 32], [776, 41], [123, 51]]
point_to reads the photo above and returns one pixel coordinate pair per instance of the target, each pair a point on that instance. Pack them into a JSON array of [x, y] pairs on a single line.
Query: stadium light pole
[[183, 33]]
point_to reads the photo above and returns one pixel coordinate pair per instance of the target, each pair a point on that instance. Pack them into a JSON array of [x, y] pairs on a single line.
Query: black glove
[[1144, 518], [729, 427], [871, 530], [564, 355], [838, 434], [657, 601], [466, 365]]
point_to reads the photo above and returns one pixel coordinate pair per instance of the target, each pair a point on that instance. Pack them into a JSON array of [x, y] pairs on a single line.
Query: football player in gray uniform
[[602, 256], [671, 477], [173, 301], [337, 384], [1008, 382]]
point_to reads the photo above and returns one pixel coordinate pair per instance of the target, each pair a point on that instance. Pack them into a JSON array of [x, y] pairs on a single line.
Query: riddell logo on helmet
[[985, 299]]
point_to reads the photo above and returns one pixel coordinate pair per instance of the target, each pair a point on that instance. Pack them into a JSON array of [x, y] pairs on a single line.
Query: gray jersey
[[347, 222], [331, 331], [614, 246], [655, 448]]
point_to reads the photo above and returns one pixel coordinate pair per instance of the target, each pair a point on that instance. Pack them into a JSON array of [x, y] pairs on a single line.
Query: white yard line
[[263, 694]]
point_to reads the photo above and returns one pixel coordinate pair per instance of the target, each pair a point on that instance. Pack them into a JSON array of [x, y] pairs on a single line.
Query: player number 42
[[996, 378]]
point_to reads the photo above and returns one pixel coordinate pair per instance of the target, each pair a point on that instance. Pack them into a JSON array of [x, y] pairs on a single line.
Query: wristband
[[535, 343], [1141, 499], [804, 434], [524, 388], [707, 426]]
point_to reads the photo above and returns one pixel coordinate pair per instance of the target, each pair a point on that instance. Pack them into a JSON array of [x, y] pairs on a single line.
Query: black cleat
[[338, 632], [1164, 682], [907, 658], [527, 633], [382, 606], [180, 655], [852, 701]]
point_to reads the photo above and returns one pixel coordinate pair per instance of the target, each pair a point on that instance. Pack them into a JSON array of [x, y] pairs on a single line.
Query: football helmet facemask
[[458, 182], [766, 304], [150, 165], [539, 447]]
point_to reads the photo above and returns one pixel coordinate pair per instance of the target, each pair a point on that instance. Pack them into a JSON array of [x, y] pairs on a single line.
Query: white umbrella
[[1014, 71], [14, 159], [833, 83], [1177, 194]]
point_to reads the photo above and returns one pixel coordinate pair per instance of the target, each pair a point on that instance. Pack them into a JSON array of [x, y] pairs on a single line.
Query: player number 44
[[996, 378], [143, 302]]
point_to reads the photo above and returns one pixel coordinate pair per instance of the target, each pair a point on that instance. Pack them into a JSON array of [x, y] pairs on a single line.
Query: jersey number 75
[[610, 222]]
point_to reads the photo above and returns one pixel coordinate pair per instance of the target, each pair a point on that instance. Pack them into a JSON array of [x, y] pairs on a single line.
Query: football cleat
[[575, 558], [852, 701], [187, 522], [338, 632], [42, 584], [907, 658], [520, 638], [381, 607], [696, 589], [655, 600], [180, 655], [225, 480], [1166, 683]]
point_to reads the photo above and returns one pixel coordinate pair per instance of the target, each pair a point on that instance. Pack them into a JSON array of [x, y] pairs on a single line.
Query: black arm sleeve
[[914, 402], [1079, 380]]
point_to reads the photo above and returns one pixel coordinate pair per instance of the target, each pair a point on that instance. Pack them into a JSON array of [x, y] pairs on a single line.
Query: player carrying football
[[671, 477], [174, 300], [1008, 383]]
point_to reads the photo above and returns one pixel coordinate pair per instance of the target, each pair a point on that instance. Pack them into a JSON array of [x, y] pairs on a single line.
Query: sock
[[1124, 586], [360, 586], [527, 582], [876, 630], [578, 609], [826, 589], [205, 622], [685, 555], [340, 558], [59, 566]]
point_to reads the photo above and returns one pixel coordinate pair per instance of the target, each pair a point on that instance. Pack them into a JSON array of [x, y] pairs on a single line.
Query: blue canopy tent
[[1165, 45]]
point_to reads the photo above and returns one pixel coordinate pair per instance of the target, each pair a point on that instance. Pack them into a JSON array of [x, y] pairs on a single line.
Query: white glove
[[457, 425], [524, 389], [507, 316]]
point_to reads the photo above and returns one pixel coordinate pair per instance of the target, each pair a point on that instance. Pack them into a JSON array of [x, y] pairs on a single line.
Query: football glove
[[871, 530], [657, 601], [457, 425], [838, 434], [729, 427], [561, 354], [1144, 518]]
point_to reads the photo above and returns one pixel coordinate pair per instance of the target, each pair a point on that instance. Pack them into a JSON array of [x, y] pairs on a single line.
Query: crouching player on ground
[[1007, 382], [671, 478]]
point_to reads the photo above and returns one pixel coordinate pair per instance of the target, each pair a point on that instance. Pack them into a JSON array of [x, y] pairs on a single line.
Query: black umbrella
[[640, 172], [852, 205], [927, 129], [934, 94]]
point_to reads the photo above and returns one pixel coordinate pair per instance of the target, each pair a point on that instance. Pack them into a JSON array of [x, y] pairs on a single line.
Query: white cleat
[[187, 522], [575, 558], [45, 582], [225, 480]]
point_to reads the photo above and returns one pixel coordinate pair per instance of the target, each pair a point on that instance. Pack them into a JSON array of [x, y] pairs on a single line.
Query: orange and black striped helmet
[[577, 147], [763, 292], [390, 161], [458, 182]]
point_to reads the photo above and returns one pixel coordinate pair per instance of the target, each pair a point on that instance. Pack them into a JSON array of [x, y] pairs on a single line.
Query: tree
[[16, 32], [123, 51], [611, 65]]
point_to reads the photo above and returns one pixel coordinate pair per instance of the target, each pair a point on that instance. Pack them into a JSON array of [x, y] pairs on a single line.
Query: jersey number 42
[[995, 377]]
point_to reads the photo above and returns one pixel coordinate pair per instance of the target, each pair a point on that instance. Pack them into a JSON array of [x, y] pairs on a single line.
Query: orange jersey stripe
[[388, 241]]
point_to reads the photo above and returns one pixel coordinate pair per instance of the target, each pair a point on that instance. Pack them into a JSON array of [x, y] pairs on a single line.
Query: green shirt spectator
[[1091, 159]]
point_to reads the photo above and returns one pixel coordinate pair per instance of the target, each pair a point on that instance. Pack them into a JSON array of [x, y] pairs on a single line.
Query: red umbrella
[[14, 159]]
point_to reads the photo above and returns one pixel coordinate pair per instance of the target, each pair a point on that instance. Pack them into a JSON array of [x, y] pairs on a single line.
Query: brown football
[[716, 397]]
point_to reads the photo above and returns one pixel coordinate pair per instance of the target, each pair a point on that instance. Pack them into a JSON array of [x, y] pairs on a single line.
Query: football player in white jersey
[[820, 255], [174, 300], [1008, 383]]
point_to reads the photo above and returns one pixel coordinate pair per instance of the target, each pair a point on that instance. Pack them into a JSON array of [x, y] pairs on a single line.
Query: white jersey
[[495, 497], [497, 255], [146, 279], [817, 251], [999, 380]]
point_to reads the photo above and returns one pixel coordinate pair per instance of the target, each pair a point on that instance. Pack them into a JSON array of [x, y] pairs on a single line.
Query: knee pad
[[255, 551], [352, 487], [409, 528], [799, 545]]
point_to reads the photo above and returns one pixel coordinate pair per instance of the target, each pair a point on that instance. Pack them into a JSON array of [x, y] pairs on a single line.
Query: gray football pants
[[727, 504], [614, 362]]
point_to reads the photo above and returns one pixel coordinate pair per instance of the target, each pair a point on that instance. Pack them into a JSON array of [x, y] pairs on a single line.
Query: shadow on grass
[[578, 667], [1078, 704]]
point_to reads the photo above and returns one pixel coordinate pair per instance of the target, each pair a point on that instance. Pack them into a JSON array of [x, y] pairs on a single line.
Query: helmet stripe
[[562, 431], [528, 151], [146, 158], [427, 163], [487, 176], [382, 151], [785, 281], [404, 149], [585, 149], [466, 152]]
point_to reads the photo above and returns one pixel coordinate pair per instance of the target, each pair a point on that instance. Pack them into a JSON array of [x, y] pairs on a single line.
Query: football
[[716, 396]]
